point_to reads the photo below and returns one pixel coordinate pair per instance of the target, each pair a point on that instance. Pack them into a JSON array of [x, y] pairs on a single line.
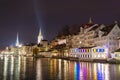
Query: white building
[[94, 35], [107, 36], [89, 53], [85, 38]]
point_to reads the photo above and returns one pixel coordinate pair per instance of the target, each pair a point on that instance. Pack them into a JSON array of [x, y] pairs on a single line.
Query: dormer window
[[102, 26], [100, 33]]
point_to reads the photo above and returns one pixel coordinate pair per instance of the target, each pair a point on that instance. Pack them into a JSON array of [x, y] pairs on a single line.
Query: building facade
[[94, 35], [107, 36], [89, 53]]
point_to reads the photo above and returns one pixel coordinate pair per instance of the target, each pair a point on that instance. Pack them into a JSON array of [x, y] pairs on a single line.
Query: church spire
[[40, 36], [90, 20], [40, 33], [17, 40]]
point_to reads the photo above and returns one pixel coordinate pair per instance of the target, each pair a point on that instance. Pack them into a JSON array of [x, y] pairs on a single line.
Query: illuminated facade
[[40, 37], [83, 53], [43, 46], [26, 50], [88, 53], [85, 38], [107, 36], [117, 54], [119, 41], [44, 43], [94, 35]]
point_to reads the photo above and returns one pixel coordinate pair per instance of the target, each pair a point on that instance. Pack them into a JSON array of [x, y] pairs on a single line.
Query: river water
[[28, 68]]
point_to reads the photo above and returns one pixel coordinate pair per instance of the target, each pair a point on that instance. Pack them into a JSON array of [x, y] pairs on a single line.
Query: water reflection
[[28, 68], [5, 68], [38, 70]]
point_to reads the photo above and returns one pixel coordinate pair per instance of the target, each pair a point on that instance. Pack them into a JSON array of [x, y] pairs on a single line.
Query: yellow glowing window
[[87, 50], [94, 50]]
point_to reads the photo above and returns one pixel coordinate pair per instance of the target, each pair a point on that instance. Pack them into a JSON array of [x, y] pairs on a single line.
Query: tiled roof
[[107, 29], [85, 47], [87, 25], [94, 28]]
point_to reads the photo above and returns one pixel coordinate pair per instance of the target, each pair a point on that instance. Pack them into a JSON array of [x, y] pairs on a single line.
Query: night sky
[[27, 16]]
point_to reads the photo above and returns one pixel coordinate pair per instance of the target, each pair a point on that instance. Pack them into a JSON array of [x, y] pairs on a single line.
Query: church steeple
[[40, 36], [40, 33], [17, 40], [90, 20]]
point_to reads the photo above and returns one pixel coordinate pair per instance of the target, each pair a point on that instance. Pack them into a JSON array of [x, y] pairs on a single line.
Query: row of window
[[89, 56], [86, 50], [99, 39], [85, 56], [117, 55]]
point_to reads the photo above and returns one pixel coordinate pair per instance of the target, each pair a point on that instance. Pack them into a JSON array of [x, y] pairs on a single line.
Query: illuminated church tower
[[40, 37], [17, 40]]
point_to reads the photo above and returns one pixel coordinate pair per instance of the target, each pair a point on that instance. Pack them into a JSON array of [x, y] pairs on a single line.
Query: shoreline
[[112, 61], [84, 60]]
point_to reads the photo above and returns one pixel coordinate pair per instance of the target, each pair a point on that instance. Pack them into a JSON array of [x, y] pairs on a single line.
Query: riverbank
[[111, 61]]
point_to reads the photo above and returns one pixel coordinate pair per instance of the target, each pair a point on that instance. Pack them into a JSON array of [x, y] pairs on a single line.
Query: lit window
[[97, 50], [95, 56], [98, 55], [102, 50], [102, 55], [84, 50], [88, 50], [79, 50], [76, 50], [94, 50]]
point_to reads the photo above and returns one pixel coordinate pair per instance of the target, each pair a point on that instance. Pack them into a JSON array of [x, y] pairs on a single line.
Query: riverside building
[[98, 37]]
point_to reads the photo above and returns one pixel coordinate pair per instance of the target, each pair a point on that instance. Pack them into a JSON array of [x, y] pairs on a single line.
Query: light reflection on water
[[28, 68]]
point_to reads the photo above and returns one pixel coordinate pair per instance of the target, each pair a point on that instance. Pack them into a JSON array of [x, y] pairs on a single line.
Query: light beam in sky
[[38, 15]]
